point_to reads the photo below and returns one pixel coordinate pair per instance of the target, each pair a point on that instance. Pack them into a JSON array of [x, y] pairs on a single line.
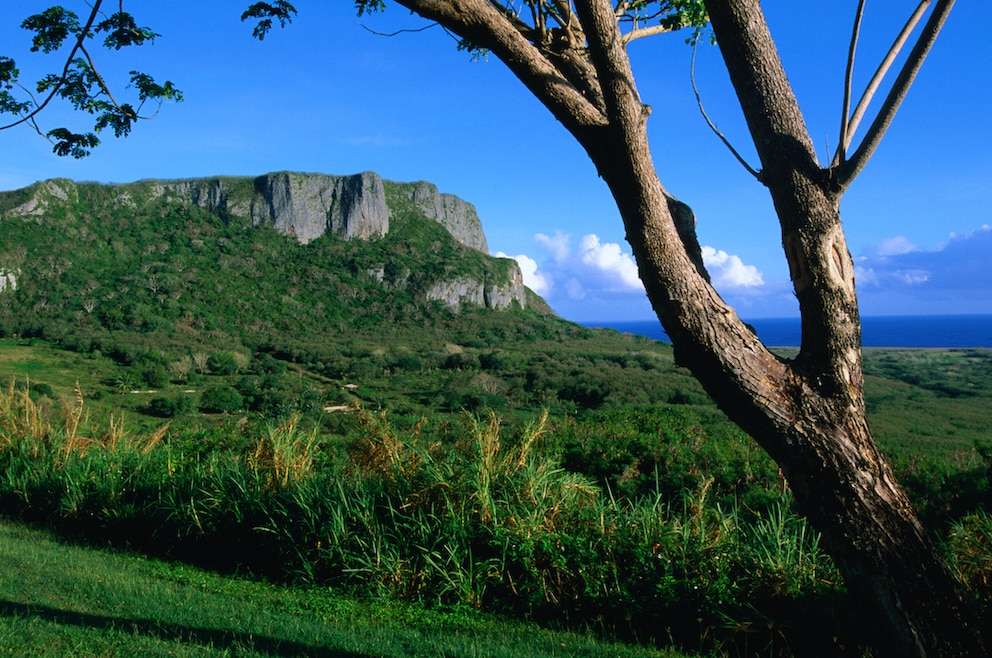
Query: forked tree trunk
[[809, 413], [811, 419]]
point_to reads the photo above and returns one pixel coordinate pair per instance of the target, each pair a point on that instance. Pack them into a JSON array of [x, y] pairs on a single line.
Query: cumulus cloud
[[603, 276], [728, 271], [536, 281], [556, 245], [610, 261], [893, 247]]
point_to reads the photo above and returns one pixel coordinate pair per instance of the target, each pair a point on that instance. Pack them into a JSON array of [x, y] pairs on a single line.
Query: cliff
[[307, 206]]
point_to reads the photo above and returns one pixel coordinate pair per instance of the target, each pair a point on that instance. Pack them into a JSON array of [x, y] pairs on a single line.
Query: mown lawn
[[62, 600]]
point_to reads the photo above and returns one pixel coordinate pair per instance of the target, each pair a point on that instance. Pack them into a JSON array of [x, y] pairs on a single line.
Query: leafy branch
[[79, 81]]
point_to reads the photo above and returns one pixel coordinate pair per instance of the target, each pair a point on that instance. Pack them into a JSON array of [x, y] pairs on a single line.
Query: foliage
[[478, 519], [453, 515], [280, 10], [220, 399], [77, 80]]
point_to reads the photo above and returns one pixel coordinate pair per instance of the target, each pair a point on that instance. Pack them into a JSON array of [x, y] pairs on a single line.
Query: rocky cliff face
[[456, 215], [309, 205], [493, 292], [305, 206], [8, 281]]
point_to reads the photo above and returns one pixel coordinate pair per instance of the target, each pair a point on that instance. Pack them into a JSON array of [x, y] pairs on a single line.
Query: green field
[[62, 600], [659, 526]]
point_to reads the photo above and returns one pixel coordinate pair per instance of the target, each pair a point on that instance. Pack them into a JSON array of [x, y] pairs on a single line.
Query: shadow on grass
[[211, 637]]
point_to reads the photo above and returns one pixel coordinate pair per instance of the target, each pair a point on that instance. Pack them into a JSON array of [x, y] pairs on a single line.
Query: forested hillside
[[182, 281]]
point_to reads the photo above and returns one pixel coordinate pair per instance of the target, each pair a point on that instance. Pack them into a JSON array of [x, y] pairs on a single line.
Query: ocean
[[892, 331]]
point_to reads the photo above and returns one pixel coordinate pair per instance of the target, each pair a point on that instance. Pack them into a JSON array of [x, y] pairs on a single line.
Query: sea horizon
[[913, 331]]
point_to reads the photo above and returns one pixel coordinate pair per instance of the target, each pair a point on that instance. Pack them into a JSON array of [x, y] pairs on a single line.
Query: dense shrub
[[171, 407], [222, 363], [220, 399], [488, 521], [154, 375]]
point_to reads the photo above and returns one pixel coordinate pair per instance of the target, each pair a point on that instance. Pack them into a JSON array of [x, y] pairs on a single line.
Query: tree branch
[[642, 32], [842, 143], [103, 85], [699, 102], [482, 23], [846, 172], [65, 70], [876, 81], [607, 48]]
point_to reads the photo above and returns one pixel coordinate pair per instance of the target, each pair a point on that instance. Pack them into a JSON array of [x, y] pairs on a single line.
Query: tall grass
[[487, 520]]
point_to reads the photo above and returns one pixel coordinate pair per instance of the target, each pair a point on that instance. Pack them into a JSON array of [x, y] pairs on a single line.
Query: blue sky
[[328, 95]]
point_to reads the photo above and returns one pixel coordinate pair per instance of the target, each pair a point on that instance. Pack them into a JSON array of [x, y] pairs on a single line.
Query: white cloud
[[557, 245], [575, 290], [539, 282], [729, 271], [596, 277], [893, 247], [611, 261]]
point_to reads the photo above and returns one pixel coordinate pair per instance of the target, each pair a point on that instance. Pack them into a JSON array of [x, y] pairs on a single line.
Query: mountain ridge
[[305, 206]]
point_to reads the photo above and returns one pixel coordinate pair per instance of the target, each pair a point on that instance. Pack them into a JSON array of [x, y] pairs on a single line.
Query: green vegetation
[[67, 600], [702, 554], [195, 390]]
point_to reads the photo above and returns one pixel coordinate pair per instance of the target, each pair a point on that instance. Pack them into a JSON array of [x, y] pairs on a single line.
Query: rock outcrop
[[305, 206], [309, 205], [494, 292], [8, 281], [456, 215], [48, 192]]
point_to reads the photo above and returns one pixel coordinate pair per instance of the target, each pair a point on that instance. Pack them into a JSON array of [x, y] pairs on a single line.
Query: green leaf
[[149, 89], [8, 72], [369, 6], [75, 144], [280, 10], [119, 119], [123, 31], [8, 76], [77, 85], [10, 105], [51, 26]]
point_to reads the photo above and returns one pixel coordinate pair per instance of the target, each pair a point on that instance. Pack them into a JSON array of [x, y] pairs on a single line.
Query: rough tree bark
[[807, 413]]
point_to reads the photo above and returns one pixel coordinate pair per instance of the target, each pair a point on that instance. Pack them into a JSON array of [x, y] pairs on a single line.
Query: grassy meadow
[[601, 529], [59, 599]]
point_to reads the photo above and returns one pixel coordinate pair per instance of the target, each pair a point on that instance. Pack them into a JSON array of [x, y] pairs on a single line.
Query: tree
[[221, 399], [808, 412]]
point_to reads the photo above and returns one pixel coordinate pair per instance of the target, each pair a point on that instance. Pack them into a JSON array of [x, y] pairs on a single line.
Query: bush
[[171, 407], [222, 363], [154, 375], [221, 399]]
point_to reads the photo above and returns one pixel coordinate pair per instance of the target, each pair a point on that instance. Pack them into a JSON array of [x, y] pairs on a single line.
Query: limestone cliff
[[309, 205], [8, 281], [492, 292], [456, 215]]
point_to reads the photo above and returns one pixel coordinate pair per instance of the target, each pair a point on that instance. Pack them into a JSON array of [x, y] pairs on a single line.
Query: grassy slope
[[59, 600]]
